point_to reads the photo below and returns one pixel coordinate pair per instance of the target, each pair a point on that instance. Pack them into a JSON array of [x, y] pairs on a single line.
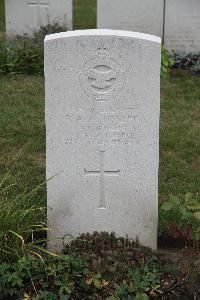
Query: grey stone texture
[[102, 129], [135, 15], [26, 16], [182, 25], [177, 22]]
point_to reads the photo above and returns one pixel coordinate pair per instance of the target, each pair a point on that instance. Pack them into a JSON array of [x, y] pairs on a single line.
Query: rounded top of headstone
[[103, 32]]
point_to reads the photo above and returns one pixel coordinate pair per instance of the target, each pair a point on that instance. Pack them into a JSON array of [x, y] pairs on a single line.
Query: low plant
[[129, 270], [166, 62], [21, 56], [22, 218], [97, 266], [39, 35], [25, 55], [182, 218], [187, 61], [31, 278], [143, 284]]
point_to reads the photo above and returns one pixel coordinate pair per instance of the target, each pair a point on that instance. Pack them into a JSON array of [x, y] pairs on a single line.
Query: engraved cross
[[38, 4], [102, 173]]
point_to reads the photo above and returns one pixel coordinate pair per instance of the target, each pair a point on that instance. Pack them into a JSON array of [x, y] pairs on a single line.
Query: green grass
[[22, 129], [84, 14], [179, 136], [22, 133], [2, 16], [22, 150], [22, 218]]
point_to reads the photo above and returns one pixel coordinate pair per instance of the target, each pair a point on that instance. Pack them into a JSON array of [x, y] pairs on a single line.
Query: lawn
[[22, 129], [179, 136], [2, 17], [84, 14]]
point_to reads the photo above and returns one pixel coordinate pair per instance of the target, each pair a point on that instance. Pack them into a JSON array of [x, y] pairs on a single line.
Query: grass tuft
[[21, 218]]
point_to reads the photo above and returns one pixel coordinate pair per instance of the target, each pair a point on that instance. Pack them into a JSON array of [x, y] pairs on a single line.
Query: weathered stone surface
[[102, 125], [26, 16], [136, 15], [182, 25]]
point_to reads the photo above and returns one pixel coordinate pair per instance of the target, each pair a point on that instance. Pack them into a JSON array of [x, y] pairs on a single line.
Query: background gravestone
[[135, 15], [102, 125], [182, 25], [26, 16]]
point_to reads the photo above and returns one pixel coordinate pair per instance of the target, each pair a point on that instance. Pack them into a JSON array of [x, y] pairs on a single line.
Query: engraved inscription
[[101, 77], [102, 174], [38, 4], [98, 126]]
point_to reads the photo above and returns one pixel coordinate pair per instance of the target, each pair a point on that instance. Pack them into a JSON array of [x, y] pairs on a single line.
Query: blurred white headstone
[[26, 16], [135, 15], [182, 25]]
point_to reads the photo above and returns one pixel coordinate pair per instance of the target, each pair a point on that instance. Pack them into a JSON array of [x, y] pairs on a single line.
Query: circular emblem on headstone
[[101, 77]]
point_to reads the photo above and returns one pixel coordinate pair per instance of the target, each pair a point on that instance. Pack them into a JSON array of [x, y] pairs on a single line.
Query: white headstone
[[136, 15], [102, 125], [26, 16], [182, 25]]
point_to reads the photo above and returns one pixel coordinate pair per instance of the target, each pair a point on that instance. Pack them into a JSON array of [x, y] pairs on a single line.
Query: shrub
[[166, 62], [181, 218], [99, 266], [21, 56], [33, 278], [25, 55], [45, 30], [190, 61]]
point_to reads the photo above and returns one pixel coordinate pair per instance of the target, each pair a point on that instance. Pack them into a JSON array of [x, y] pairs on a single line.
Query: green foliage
[[187, 61], [135, 271], [166, 62], [20, 221], [143, 284], [139, 274], [24, 55], [45, 30], [110, 255], [21, 56], [183, 217], [44, 279]]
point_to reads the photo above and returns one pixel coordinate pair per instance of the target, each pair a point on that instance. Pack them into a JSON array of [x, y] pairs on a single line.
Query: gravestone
[[182, 25], [135, 15], [102, 126], [26, 16]]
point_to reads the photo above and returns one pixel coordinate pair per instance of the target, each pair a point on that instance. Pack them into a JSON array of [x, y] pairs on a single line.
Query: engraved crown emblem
[[101, 77], [102, 51]]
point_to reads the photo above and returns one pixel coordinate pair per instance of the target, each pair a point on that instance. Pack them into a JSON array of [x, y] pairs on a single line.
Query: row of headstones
[[177, 22]]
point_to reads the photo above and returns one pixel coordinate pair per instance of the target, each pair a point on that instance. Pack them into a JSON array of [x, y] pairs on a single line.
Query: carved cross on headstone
[[38, 4], [102, 173]]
